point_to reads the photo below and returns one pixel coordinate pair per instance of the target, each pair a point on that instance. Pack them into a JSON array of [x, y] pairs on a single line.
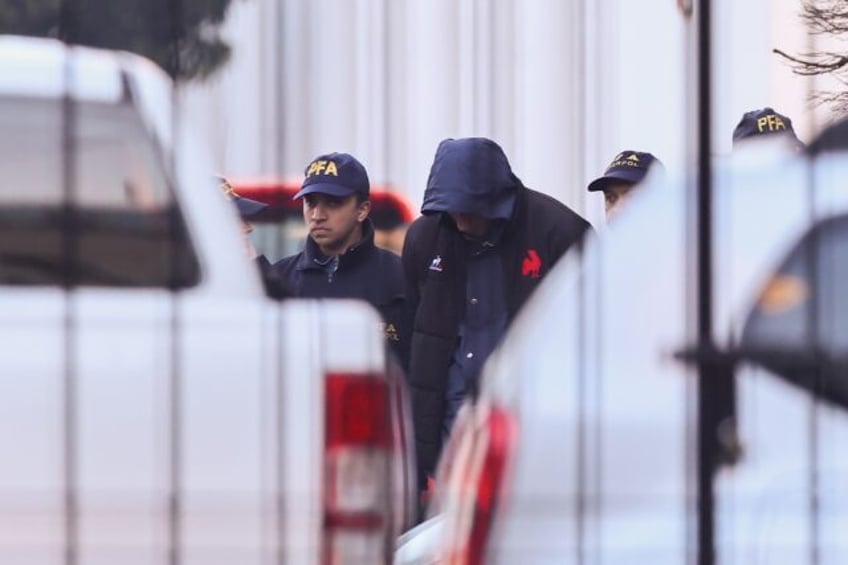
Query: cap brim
[[323, 188], [498, 209], [631, 175], [788, 139], [247, 207]]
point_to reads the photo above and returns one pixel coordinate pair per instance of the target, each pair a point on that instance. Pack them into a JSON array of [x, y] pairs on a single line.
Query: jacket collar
[[312, 258]]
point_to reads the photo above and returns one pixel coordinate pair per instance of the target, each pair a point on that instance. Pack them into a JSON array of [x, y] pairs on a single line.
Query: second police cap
[[628, 166], [336, 174], [764, 122]]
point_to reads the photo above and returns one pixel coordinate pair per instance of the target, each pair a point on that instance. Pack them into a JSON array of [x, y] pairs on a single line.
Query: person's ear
[[363, 210]]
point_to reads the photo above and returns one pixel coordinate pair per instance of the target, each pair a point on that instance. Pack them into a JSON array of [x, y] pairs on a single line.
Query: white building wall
[[388, 79], [236, 110], [562, 85]]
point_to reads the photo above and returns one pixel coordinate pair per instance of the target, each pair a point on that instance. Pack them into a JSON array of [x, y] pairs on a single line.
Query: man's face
[[334, 223], [471, 224], [614, 195]]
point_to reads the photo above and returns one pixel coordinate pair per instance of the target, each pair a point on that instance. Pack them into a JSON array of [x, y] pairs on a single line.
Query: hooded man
[[482, 245]]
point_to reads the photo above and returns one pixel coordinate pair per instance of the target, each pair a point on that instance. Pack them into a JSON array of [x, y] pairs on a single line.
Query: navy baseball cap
[[336, 174], [628, 166], [764, 122], [247, 207]]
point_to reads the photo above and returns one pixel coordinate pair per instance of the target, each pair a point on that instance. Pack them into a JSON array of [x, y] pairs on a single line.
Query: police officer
[[625, 171], [247, 209], [339, 259], [766, 124]]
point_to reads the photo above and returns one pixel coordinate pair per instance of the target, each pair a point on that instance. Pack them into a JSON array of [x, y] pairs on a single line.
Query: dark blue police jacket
[[364, 271]]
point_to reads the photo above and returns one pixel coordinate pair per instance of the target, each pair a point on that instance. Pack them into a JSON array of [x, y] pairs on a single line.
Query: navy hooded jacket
[[471, 176]]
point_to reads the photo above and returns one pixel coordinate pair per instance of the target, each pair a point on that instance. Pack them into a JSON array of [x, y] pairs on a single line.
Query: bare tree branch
[[823, 18], [817, 63]]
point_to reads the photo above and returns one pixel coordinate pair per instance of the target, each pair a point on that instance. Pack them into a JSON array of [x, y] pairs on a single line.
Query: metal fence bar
[[707, 396], [68, 21], [175, 501]]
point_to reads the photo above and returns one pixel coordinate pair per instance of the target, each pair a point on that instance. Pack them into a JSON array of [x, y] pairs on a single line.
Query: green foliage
[[182, 36]]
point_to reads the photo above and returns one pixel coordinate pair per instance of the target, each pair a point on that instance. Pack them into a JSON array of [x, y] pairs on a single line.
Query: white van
[[155, 406]]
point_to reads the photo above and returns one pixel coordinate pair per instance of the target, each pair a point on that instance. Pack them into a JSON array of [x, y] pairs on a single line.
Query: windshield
[[115, 224], [799, 326]]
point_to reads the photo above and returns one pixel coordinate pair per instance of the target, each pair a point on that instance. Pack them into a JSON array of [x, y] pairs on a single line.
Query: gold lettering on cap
[[315, 167], [770, 122], [322, 167], [624, 160]]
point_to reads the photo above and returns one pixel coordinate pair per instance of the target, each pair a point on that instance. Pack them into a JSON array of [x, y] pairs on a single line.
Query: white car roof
[[47, 68]]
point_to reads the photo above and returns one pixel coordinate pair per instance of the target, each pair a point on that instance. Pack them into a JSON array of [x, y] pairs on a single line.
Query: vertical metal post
[[706, 460], [175, 508], [280, 163], [68, 30], [813, 267]]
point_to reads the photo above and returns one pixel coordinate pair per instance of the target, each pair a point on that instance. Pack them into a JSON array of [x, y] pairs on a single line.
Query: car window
[[279, 237], [116, 224], [799, 325]]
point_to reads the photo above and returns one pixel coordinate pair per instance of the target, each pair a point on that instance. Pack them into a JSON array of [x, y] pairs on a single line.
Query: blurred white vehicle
[[581, 446], [155, 406]]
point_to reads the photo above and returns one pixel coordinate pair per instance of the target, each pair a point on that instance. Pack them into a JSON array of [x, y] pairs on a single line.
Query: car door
[[92, 247]]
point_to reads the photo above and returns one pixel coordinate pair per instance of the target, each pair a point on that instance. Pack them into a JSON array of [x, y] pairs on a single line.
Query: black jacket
[[364, 271], [537, 233]]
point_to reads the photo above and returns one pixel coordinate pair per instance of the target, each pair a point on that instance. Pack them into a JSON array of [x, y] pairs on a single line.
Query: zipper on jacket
[[332, 268]]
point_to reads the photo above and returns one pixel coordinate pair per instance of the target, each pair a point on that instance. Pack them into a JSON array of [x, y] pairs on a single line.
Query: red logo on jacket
[[531, 265]]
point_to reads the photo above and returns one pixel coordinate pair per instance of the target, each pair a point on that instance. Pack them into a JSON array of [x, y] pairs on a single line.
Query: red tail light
[[358, 441], [358, 411], [477, 483], [501, 440]]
